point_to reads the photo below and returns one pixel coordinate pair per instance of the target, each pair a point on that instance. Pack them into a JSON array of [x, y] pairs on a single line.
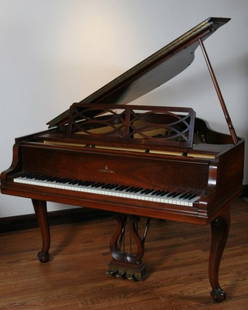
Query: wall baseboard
[[65, 216], [244, 193]]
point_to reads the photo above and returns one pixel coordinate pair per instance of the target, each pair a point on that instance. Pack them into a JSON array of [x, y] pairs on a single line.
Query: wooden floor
[[177, 256]]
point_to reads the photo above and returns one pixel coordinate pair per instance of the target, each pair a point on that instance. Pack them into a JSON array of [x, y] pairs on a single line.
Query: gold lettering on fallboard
[[106, 170]]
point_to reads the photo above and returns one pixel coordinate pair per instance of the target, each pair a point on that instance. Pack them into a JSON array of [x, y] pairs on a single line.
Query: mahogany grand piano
[[137, 161]]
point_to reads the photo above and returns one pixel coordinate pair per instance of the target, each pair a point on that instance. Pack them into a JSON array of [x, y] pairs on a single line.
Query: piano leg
[[41, 214], [127, 248], [219, 231]]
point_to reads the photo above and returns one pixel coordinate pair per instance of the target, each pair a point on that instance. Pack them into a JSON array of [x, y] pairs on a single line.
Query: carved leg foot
[[41, 214], [43, 257], [218, 294], [220, 229]]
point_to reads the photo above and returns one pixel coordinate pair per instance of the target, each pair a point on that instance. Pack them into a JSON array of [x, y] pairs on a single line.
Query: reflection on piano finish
[[140, 162]]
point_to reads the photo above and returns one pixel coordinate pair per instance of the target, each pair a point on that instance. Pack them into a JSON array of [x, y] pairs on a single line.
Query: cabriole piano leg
[[41, 214], [219, 234]]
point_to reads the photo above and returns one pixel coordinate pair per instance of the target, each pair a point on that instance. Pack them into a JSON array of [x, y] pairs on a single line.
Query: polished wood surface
[[219, 234], [40, 208], [131, 124], [75, 277]]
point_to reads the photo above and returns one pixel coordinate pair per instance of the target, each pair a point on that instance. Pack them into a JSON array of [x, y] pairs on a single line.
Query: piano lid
[[152, 72]]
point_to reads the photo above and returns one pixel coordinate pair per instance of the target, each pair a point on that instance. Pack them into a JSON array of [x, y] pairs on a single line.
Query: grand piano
[[138, 161]]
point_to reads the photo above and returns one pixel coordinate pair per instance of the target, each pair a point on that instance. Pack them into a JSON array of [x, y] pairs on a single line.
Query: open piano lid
[[153, 71]]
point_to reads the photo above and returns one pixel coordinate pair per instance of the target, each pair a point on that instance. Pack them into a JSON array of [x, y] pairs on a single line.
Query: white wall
[[54, 53]]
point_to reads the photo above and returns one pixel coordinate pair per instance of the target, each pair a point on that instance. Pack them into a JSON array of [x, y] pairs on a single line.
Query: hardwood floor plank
[[176, 255]]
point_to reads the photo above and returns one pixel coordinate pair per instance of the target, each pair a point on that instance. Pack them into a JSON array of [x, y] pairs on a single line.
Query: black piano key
[[182, 194], [157, 192], [119, 187], [172, 194], [137, 189], [122, 188], [88, 183], [65, 180], [97, 185], [73, 182], [126, 189], [40, 177], [50, 178], [143, 191], [81, 183], [188, 195], [132, 189], [191, 196], [105, 186], [175, 195], [58, 180], [148, 191], [30, 176], [163, 193], [111, 186]]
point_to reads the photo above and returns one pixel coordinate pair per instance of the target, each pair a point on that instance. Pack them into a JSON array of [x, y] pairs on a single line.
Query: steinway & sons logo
[[106, 169]]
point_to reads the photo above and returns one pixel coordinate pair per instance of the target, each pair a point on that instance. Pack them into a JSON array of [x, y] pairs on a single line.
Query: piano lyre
[[140, 162]]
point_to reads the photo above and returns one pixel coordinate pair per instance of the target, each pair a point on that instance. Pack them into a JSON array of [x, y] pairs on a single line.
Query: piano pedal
[[132, 277], [121, 274], [123, 270], [116, 273], [111, 273]]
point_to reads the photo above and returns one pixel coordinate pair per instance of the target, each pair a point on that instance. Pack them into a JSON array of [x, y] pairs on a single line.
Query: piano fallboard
[[109, 167]]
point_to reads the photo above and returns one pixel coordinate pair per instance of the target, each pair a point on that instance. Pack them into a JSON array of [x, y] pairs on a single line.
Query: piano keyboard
[[117, 190]]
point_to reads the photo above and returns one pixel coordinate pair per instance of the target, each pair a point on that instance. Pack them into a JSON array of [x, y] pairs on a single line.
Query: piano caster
[[218, 294], [43, 257]]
